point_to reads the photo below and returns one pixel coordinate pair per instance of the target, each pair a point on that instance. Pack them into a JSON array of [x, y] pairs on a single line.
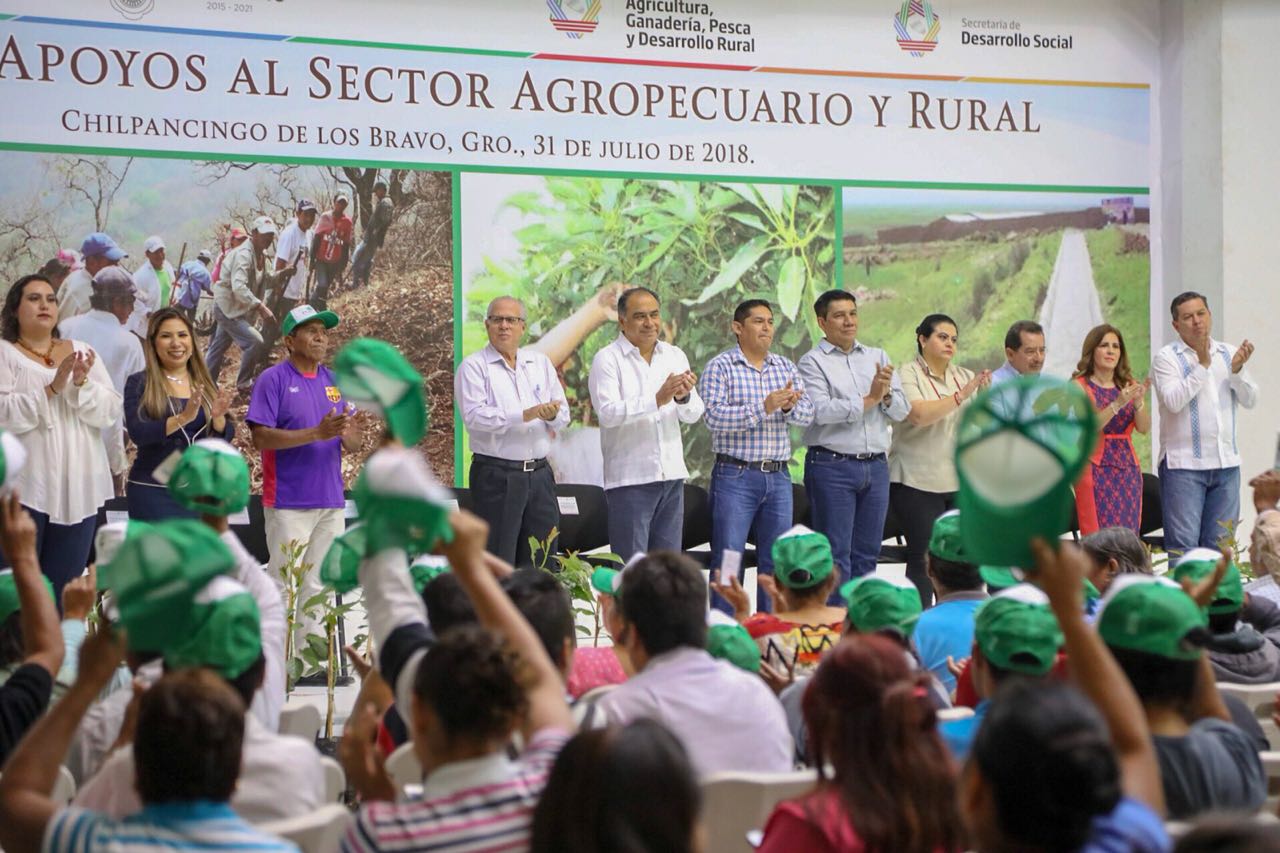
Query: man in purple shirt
[[301, 424]]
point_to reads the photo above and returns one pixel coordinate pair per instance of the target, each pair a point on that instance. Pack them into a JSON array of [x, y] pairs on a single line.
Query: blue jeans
[[249, 339], [742, 500], [646, 517], [848, 500], [1194, 504], [326, 275], [362, 264]]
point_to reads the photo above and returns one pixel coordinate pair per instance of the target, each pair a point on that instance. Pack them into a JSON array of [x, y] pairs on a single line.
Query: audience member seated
[[605, 788], [1264, 543], [26, 691], [1243, 630], [945, 631], [1051, 772], [280, 776], [727, 719], [1015, 635], [803, 627], [468, 693], [190, 730], [885, 781], [728, 641], [885, 606], [1157, 634], [1114, 551]]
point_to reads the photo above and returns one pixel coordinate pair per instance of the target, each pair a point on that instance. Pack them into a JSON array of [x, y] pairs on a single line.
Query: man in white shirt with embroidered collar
[[727, 719], [1199, 383], [512, 405], [641, 391]]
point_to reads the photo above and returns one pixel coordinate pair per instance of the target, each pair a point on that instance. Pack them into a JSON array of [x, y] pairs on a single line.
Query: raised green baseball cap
[[340, 567], [9, 603], [426, 568], [401, 503], [1153, 615], [1017, 631], [13, 455], [377, 377], [727, 640], [225, 633], [802, 558], [109, 538], [945, 540], [609, 581], [1020, 447], [210, 477], [879, 604], [155, 574], [1198, 564], [305, 314]]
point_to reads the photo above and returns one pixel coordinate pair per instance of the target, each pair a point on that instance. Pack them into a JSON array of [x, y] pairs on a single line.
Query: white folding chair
[[1261, 698], [403, 768], [335, 779], [737, 803], [301, 720], [320, 831]]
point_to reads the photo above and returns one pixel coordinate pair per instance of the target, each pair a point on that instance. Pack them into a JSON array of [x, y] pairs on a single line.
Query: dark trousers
[[917, 511], [645, 517], [517, 505], [62, 549]]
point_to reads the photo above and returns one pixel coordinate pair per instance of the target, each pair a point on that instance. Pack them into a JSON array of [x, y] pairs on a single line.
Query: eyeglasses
[[505, 321]]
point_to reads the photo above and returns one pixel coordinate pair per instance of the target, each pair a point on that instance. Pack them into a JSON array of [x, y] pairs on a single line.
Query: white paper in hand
[[730, 564]]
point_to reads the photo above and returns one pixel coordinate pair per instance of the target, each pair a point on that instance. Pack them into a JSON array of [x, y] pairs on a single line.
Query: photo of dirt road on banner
[[1069, 261], [568, 246], [195, 211]]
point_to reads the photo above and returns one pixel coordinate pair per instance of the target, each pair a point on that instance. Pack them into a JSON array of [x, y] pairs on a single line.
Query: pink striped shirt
[[480, 806]]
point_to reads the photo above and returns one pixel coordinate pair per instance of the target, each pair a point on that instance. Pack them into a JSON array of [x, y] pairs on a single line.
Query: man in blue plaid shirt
[[751, 395]]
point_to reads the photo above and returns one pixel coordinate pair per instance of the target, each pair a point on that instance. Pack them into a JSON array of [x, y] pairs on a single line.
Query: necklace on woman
[[175, 378], [46, 356]]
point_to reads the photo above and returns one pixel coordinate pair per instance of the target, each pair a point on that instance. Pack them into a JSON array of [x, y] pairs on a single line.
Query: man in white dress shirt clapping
[[512, 404], [641, 391]]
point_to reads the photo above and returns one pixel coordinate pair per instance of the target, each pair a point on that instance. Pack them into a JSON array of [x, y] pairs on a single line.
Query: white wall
[[1220, 204]]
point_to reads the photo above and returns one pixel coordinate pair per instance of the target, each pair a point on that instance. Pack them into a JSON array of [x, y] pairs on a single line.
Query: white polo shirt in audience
[[492, 398], [727, 719], [280, 777], [269, 700], [641, 442], [100, 725]]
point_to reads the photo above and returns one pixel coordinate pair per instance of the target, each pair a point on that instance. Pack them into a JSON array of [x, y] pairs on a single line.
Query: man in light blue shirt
[[856, 395], [1024, 351]]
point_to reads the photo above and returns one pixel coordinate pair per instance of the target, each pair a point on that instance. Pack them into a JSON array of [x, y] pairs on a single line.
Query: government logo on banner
[[574, 18], [133, 10], [917, 26]]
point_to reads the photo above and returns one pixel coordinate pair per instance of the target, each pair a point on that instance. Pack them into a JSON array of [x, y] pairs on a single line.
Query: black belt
[[859, 457], [766, 466], [526, 465]]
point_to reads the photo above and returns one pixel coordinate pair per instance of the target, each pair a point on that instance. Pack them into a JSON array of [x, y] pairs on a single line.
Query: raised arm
[[26, 784], [545, 691], [41, 628], [1097, 674]]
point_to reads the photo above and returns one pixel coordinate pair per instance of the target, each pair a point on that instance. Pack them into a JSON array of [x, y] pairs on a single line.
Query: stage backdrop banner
[[989, 159]]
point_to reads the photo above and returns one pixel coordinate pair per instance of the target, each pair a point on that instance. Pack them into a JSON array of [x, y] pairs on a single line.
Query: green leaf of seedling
[[743, 259], [791, 280]]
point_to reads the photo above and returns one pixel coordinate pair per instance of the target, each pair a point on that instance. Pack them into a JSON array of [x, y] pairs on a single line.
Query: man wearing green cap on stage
[[1157, 634], [946, 629], [212, 479], [25, 695], [280, 775], [1245, 629], [1014, 634], [302, 424]]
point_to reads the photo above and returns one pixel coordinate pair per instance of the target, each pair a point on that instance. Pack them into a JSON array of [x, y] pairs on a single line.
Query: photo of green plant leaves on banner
[[567, 246]]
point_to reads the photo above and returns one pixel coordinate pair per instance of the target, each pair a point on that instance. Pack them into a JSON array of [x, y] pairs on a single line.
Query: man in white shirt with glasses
[[641, 391], [512, 405]]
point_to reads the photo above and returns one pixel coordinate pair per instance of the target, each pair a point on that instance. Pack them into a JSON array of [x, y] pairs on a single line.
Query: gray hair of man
[[488, 312]]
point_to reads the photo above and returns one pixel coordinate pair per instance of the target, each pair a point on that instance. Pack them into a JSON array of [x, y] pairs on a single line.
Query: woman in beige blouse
[[922, 471]]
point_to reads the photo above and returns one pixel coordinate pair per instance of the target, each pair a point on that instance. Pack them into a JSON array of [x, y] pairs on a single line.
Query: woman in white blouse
[[56, 397]]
